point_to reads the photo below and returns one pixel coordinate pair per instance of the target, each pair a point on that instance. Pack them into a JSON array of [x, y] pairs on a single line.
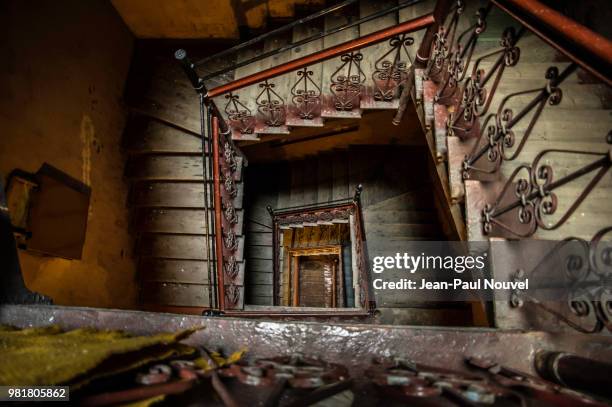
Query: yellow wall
[[64, 65], [198, 19]]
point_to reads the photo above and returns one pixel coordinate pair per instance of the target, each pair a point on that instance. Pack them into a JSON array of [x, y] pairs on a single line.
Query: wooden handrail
[[332, 52], [585, 47]]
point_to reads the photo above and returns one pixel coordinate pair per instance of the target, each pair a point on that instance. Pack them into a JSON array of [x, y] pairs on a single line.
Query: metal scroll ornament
[[585, 271], [230, 214], [271, 105], [444, 40], [347, 82], [475, 98], [232, 295], [230, 241], [306, 95], [231, 268], [458, 61], [525, 203], [498, 141], [390, 74], [229, 185], [230, 156], [239, 116]]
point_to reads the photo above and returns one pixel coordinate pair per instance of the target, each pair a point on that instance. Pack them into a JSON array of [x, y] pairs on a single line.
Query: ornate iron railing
[[475, 99], [389, 75], [497, 141], [306, 95], [586, 282], [445, 55], [524, 203]]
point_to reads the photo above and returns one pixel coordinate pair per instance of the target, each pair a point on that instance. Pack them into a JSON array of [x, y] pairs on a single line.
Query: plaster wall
[[64, 66]]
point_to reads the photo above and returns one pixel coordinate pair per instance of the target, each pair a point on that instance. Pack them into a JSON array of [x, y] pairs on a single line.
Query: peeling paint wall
[[64, 66]]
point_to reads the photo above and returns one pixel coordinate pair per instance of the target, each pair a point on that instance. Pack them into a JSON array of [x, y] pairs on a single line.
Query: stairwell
[[480, 78]]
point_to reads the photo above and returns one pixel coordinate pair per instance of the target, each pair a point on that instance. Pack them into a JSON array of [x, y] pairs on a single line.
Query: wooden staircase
[[339, 88], [168, 213], [503, 139], [485, 73]]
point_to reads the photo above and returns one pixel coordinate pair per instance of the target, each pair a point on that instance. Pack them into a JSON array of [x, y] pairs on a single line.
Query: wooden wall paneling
[[296, 196], [340, 188], [324, 178], [310, 181]]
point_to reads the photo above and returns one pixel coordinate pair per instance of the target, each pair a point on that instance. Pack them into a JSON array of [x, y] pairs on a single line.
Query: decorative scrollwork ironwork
[[390, 74], [498, 138], [231, 268], [271, 105], [232, 295], [443, 42], [587, 272], [230, 156], [230, 185], [306, 95], [239, 116], [458, 60], [531, 199], [347, 82], [230, 240], [230, 214], [475, 100]]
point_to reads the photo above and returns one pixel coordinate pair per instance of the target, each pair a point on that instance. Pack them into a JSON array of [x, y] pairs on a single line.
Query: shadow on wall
[[62, 87]]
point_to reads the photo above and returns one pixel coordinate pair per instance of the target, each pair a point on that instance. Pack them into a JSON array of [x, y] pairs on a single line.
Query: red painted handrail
[[340, 49], [576, 41]]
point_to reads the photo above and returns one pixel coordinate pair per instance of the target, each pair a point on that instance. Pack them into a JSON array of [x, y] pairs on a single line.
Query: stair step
[[169, 246], [192, 295], [411, 200], [398, 216], [175, 271], [186, 221], [144, 135], [169, 168], [175, 195], [401, 230]]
